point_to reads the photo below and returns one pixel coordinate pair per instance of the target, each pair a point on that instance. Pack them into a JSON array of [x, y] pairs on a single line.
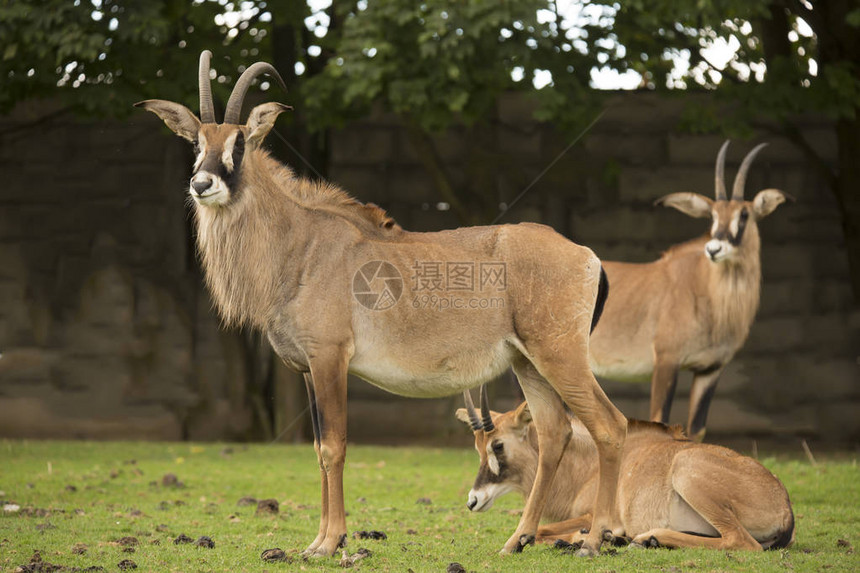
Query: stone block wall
[[107, 332]]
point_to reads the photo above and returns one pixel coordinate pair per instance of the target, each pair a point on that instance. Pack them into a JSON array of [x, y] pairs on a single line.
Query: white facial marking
[[733, 226], [227, 154], [482, 499], [493, 463], [716, 222], [201, 151], [717, 250]]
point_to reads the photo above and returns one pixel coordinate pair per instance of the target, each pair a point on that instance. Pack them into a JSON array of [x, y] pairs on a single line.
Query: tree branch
[[39, 121], [429, 156]]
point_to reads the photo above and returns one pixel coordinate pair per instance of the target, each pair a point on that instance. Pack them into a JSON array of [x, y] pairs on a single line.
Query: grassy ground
[[79, 500]]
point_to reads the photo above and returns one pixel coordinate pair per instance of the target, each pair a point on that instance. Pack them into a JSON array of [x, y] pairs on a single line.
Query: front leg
[[553, 432], [701, 392], [312, 400], [564, 530], [328, 374]]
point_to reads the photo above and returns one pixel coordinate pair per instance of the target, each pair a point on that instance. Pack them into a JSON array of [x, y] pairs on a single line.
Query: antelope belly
[[623, 371], [404, 373]]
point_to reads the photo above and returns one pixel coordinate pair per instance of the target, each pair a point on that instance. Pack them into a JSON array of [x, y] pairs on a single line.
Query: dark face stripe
[[212, 164], [742, 225], [723, 234], [485, 475]]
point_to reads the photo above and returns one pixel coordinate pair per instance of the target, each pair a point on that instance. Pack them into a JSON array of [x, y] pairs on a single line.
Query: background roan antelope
[[678, 492], [284, 254], [691, 309]]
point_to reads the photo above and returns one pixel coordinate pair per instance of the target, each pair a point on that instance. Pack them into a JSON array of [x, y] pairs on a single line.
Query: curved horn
[[486, 418], [234, 104], [719, 179], [474, 420], [207, 108], [741, 177]]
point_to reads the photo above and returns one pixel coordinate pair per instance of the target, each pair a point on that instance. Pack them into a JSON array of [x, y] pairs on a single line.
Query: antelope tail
[[786, 536], [602, 293]]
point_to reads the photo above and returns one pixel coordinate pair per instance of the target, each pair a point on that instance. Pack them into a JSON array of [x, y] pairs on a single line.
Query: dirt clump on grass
[[372, 534], [274, 555], [205, 541], [79, 549], [347, 560], [170, 480], [246, 500], [268, 507], [182, 539]]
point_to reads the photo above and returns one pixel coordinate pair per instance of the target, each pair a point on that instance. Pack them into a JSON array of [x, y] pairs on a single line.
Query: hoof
[[587, 551], [566, 547], [523, 541], [517, 546], [645, 543]]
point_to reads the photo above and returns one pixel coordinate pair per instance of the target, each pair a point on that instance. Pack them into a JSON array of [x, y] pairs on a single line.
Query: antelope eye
[[498, 448], [744, 215]]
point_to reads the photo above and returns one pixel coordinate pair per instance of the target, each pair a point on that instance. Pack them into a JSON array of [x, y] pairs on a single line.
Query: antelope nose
[[201, 185], [473, 501], [713, 249]]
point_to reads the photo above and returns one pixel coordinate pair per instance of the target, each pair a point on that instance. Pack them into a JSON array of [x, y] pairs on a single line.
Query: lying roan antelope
[[692, 309], [302, 261], [681, 493]]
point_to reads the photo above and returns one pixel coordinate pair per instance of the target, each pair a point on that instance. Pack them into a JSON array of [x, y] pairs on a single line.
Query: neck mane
[[735, 290], [732, 287], [246, 246]]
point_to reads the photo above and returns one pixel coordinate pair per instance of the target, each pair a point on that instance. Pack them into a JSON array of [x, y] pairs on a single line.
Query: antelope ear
[[523, 415], [691, 204], [177, 117], [262, 119], [463, 416], [766, 201]]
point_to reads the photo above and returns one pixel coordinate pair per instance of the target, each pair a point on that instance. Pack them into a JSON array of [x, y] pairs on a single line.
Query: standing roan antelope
[[303, 262], [692, 309], [678, 492]]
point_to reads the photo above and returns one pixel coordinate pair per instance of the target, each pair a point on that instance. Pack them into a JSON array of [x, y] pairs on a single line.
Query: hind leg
[[715, 487], [553, 431], [671, 538]]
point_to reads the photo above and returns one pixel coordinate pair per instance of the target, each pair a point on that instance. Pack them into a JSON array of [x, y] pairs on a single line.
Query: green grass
[[118, 493]]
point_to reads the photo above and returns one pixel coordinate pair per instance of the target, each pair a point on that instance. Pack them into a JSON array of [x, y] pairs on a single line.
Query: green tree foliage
[[95, 57], [792, 57], [438, 63]]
